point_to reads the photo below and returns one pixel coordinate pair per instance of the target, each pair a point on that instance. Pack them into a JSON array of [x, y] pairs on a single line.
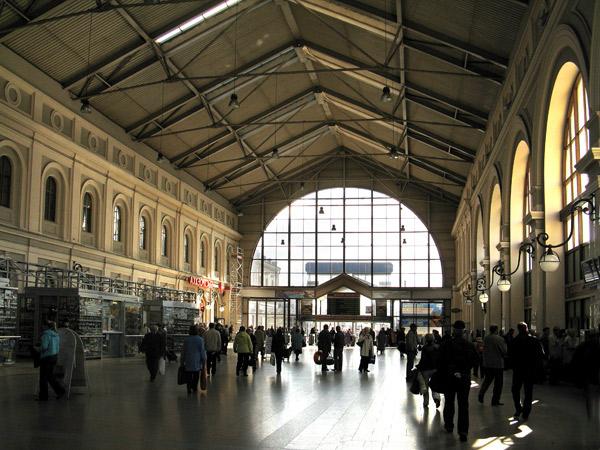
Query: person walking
[[153, 345], [297, 342], [494, 352], [324, 345], [225, 333], [412, 343], [478, 368], [365, 342], [526, 355], [338, 349], [278, 348], [402, 342], [382, 339], [193, 358], [213, 344], [242, 345], [427, 366], [49, 348], [252, 358], [261, 337], [457, 358]]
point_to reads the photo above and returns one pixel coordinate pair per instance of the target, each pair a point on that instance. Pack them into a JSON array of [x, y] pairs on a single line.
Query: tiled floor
[[301, 409]]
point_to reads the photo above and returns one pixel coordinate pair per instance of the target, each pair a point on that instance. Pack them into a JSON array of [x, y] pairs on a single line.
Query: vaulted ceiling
[[309, 76]]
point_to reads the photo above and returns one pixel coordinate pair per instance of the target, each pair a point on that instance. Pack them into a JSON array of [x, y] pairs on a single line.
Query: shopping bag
[[203, 384], [161, 366], [329, 360], [318, 357], [181, 376], [415, 387], [438, 382], [372, 359], [272, 359]]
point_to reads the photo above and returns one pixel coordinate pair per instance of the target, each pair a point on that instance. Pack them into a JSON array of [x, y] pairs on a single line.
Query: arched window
[[5, 181], [50, 200], [202, 253], [576, 142], [164, 241], [117, 224], [360, 232], [186, 249], [217, 265], [142, 233], [527, 258], [86, 213]]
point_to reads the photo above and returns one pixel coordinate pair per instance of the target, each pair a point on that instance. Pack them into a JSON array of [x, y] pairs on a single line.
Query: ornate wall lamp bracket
[[549, 261]]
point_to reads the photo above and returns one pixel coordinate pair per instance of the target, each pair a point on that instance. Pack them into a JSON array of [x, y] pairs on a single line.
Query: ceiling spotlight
[[404, 241], [342, 240], [240, 213], [85, 107], [321, 210], [275, 153], [233, 101], [333, 228], [402, 228], [283, 242], [394, 152], [160, 158], [386, 95]]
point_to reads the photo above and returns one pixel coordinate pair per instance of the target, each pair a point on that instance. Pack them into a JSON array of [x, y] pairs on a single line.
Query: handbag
[[415, 386], [181, 376], [161, 366], [372, 359], [272, 359], [329, 360], [318, 357]]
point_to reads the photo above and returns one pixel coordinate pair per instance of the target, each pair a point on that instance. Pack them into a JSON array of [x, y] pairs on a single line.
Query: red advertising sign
[[205, 283]]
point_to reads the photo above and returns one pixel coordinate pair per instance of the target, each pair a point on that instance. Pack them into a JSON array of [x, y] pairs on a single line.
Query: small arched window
[[202, 253], [50, 200], [576, 144], [86, 213], [186, 249], [5, 181], [164, 241], [117, 224], [142, 231], [217, 265]]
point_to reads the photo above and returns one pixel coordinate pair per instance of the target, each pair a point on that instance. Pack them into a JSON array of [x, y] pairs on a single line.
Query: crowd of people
[[445, 367]]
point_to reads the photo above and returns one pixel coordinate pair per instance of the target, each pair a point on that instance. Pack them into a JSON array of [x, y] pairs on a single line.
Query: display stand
[[71, 361], [7, 349]]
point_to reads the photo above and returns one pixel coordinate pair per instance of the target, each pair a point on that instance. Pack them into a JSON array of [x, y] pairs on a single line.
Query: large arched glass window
[[5, 181], [164, 241], [186, 249], [50, 200], [527, 229], [142, 233], [117, 224], [360, 232], [576, 142], [86, 213]]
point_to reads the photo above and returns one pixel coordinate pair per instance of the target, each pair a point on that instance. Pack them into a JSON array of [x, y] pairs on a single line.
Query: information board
[[343, 303]]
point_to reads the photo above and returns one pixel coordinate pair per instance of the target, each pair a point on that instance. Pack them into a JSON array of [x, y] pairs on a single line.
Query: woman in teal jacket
[[48, 355]]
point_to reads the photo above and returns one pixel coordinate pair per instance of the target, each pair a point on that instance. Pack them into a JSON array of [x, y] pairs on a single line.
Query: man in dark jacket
[[153, 345], [338, 349], [526, 356], [278, 348], [324, 344], [494, 352], [457, 358]]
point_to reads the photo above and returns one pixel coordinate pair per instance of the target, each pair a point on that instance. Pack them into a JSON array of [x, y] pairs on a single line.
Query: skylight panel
[[190, 23]]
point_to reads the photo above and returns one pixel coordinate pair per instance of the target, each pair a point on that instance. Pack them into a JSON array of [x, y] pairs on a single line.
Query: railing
[[27, 275]]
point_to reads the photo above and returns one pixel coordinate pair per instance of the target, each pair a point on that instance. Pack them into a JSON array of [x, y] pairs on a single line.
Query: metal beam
[[377, 22], [244, 168], [111, 60], [285, 108], [414, 132], [26, 17], [379, 79], [381, 144], [212, 87]]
